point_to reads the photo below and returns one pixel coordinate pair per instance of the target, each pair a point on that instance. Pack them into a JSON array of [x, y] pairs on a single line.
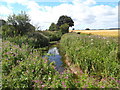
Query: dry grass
[[113, 33]]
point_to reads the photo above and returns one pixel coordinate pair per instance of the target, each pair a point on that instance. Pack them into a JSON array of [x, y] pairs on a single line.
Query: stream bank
[[61, 61]]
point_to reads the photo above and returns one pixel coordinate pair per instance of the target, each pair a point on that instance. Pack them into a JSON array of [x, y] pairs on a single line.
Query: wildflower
[[32, 70], [66, 77], [91, 39], [41, 82], [49, 78], [91, 43], [112, 78], [104, 37], [102, 87], [36, 81], [64, 85], [43, 85], [86, 85], [118, 81]]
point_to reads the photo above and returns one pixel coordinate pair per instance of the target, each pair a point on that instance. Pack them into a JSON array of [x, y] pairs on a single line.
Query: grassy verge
[[95, 55]]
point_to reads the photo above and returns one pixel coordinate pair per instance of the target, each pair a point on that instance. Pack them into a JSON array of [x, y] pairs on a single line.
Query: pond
[[54, 56]]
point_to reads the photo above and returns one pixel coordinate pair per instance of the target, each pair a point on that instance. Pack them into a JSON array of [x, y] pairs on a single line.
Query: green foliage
[[65, 20], [64, 28], [33, 39], [37, 39], [21, 23], [95, 55], [52, 35], [24, 67], [53, 27], [2, 22], [21, 66], [8, 31]]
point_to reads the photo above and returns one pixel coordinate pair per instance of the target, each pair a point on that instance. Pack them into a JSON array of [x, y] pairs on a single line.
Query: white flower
[[91, 39], [49, 78]]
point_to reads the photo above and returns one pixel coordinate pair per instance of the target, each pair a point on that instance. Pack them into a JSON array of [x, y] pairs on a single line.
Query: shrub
[[33, 39], [36, 39], [53, 35], [8, 31]]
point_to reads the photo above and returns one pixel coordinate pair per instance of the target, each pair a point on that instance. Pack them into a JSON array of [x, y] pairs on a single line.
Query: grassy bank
[[95, 55]]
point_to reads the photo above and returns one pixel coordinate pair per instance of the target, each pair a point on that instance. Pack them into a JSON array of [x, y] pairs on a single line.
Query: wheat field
[[113, 33]]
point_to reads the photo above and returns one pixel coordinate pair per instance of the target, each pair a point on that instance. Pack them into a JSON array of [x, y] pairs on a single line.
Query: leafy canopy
[[21, 22], [65, 19]]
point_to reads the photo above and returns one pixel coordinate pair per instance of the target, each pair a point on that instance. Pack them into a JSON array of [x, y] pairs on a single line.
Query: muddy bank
[[74, 68]]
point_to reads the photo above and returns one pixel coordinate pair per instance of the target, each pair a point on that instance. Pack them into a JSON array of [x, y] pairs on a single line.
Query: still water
[[54, 56]]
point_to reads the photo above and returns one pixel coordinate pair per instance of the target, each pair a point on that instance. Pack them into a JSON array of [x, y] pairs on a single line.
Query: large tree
[[21, 22], [2, 22], [64, 28], [53, 27], [65, 20]]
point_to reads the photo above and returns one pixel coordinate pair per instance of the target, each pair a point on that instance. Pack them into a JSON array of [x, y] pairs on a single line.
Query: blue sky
[[94, 14]]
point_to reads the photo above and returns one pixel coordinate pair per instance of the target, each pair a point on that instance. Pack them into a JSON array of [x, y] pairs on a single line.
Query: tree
[[65, 19], [2, 22], [87, 29], [53, 27], [21, 22], [64, 28]]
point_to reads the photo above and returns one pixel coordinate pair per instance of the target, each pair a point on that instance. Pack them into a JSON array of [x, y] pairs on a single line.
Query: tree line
[[20, 24]]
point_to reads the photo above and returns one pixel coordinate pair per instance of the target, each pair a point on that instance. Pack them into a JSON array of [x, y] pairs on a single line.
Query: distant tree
[[87, 29], [21, 22], [64, 28], [65, 20], [2, 22], [53, 27], [73, 29]]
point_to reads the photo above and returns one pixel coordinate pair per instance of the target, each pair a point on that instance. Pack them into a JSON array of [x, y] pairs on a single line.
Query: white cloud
[[5, 11], [84, 13]]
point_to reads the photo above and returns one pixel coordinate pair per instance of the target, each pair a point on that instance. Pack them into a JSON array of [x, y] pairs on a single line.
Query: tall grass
[[95, 55], [24, 67]]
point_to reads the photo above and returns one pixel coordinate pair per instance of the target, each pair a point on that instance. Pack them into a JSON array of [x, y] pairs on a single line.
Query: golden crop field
[[113, 33]]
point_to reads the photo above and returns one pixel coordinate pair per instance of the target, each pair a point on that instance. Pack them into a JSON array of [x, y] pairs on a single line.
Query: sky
[[93, 14]]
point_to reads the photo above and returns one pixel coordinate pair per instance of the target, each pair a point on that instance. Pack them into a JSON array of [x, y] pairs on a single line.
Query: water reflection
[[56, 57]]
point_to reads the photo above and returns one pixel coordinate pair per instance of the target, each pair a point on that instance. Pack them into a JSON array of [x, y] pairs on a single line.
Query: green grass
[[24, 67], [95, 55]]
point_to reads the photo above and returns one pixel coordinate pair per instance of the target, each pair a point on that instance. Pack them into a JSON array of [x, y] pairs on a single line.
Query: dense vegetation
[[23, 64], [24, 67], [63, 24], [95, 55]]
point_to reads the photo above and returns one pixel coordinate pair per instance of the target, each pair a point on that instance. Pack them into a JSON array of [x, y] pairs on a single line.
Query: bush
[[8, 31], [53, 27], [36, 39], [53, 35], [21, 66], [33, 39]]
